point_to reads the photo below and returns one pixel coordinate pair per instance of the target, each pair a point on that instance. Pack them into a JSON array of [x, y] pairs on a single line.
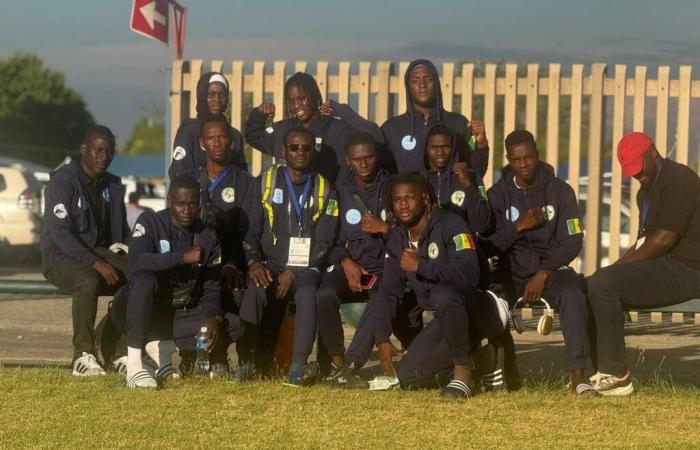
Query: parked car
[[20, 212]]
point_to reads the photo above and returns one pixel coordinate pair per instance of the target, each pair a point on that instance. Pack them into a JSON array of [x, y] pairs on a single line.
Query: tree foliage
[[148, 135]]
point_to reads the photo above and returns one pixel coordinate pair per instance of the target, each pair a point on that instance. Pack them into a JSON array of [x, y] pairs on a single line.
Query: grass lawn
[[50, 408]]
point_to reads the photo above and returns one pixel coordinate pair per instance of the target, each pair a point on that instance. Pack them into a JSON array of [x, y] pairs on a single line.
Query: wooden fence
[[606, 101]]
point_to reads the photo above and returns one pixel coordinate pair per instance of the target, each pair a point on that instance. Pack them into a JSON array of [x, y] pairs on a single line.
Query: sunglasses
[[308, 148]]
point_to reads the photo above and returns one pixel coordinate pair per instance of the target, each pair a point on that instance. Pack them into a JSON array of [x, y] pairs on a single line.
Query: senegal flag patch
[[464, 241], [482, 192], [574, 226], [332, 208]]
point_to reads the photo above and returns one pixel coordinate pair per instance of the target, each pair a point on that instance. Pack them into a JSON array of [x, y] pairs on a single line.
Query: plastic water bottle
[[202, 362]]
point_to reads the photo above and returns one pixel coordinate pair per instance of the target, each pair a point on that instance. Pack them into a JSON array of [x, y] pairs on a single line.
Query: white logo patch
[[179, 153], [382, 214], [458, 197], [139, 230], [277, 196], [164, 246], [269, 130], [408, 142], [228, 195], [433, 250], [548, 212], [319, 143], [329, 269], [353, 216], [513, 214], [105, 195], [60, 211]]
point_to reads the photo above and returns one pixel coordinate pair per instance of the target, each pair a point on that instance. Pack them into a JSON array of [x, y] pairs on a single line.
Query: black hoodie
[[469, 202], [554, 243], [187, 153], [405, 134], [365, 249]]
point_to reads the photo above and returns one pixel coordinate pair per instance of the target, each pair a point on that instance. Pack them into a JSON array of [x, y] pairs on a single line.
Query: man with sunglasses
[[661, 269], [293, 215]]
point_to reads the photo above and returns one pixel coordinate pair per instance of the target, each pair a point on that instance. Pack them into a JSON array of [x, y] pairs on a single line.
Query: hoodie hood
[[545, 173], [439, 111], [203, 88], [441, 180]]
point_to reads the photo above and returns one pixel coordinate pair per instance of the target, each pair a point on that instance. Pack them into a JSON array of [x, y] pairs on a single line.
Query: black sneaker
[[346, 377]]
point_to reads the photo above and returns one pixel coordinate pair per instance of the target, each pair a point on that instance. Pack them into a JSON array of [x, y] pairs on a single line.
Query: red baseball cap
[[630, 152]]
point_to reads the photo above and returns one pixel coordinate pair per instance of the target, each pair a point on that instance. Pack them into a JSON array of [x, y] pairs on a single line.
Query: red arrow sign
[[150, 18]]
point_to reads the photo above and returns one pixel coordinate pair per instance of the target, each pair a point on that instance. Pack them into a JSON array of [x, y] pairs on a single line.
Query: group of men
[[395, 216]]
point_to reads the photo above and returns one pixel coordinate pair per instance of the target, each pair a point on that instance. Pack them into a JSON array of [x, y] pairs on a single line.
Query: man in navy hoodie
[[405, 135], [538, 232], [433, 252], [212, 99], [85, 215], [330, 122]]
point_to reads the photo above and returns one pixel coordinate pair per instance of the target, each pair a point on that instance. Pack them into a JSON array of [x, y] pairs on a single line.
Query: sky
[[119, 72]]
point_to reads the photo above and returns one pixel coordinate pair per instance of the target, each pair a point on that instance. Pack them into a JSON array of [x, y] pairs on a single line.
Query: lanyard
[[217, 181], [645, 206], [293, 196]]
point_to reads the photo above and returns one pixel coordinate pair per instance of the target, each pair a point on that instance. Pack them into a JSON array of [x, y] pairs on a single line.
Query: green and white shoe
[[611, 385]]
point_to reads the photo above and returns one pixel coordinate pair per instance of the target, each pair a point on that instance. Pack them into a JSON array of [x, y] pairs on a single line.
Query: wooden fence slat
[[638, 114], [531, 93], [300, 66], [677, 317], [595, 161], [381, 109], [490, 115], [279, 79], [467, 84], [363, 91], [662, 110], [657, 317], [175, 102], [511, 93], [343, 82], [553, 88], [401, 87], [322, 78], [195, 74], [217, 65], [683, 126], [575, 126], [447, 81], [236, 94], [616, 182], [258, 98]]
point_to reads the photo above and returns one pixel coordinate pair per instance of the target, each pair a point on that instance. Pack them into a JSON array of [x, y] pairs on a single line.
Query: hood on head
[[438, 91], [545, 173], [203, 89]]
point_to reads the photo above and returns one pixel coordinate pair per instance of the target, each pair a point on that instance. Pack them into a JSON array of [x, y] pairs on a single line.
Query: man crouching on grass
[[433, 252], [174, 286]]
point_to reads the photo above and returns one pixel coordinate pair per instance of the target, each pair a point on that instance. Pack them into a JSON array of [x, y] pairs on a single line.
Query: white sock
[[134, 363], [161, 352]]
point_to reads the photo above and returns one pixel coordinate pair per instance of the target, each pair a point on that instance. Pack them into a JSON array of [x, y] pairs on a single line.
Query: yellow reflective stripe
[[266, 205], [319, 197]]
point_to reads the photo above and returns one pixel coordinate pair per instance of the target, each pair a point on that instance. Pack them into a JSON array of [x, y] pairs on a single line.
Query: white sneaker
[[87, 366]]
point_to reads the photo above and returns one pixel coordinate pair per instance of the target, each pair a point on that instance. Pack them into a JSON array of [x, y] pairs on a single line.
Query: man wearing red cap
[[662, 268]]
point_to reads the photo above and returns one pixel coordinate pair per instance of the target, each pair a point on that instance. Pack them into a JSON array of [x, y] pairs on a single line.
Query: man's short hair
[[134, 197], [440, 130], [412, 178], [100, 130], [359, 138], [520, 137], [183, 181], [215, 118], [300, 130]]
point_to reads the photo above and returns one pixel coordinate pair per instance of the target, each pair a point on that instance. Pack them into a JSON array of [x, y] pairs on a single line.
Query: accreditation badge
[[299, 251]]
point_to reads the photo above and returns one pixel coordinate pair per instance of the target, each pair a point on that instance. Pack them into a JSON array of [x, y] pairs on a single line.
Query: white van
[[20, 213]]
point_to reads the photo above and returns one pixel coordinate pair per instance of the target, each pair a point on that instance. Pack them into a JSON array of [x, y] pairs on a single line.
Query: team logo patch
[[164, 245], [458, 198], [269, 130], [548, 212], [60, 211], [319, 144], [408, 142], [353, 217], [574, 226], [139, 230], [332, 208], [277, 196], [329, 269], [433, 250], [382, 214], [105, 195], [179, 153], [464, 241], [228, 195], [482, 192], [512, 214]]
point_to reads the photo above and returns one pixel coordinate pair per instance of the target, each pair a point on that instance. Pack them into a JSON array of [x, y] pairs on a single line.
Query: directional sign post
[[150, 18]]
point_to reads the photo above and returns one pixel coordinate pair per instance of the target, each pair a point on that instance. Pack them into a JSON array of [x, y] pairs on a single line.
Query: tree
[[148, 135], [41, 119]]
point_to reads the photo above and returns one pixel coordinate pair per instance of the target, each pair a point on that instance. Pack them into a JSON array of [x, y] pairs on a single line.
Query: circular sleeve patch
[[179, 153], [458, 197], [139, 230], [228, 195], [408, 142], [60, 211], [433, 250], [353, 216]]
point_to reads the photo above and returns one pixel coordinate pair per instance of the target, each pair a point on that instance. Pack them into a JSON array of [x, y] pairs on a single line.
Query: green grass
[[48, 408]]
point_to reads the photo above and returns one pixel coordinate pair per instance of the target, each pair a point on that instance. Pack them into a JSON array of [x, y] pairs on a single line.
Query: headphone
[[544, 325]]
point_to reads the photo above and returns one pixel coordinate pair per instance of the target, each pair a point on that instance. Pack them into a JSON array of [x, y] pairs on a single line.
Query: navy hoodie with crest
[[187, 153], [69, 229], [469, 202], [365, 249], [551, 245], [405, 135]]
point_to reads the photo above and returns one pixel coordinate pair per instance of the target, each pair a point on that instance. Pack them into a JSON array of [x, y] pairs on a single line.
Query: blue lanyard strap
[[293, 196], [217, 181], [645, 206]]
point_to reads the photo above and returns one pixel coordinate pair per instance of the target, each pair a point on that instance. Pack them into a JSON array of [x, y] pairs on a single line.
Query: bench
[[29, 287]]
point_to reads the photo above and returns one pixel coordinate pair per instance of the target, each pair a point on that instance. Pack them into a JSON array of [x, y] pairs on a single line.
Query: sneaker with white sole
[[87, 366], [615, 386]]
